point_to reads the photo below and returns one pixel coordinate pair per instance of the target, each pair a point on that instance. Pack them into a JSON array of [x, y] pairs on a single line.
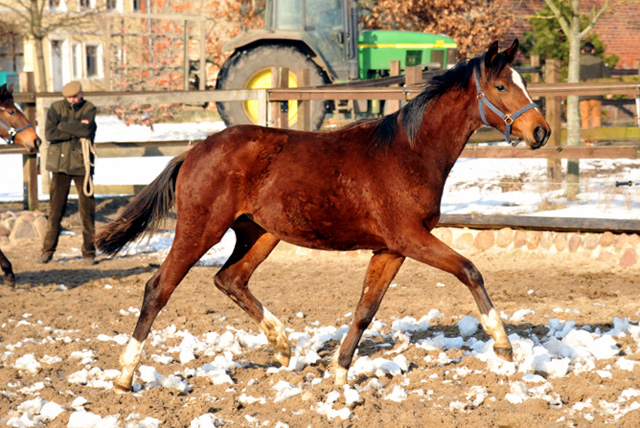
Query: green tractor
[[322, 36]]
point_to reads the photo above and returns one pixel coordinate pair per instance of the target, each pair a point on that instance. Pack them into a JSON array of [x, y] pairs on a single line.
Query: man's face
[[74, 99]]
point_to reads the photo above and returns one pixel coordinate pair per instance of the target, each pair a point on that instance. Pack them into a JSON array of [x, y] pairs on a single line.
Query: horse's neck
[[448, 123]]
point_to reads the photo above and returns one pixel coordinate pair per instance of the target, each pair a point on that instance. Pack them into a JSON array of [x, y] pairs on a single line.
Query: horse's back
[[308, 188]]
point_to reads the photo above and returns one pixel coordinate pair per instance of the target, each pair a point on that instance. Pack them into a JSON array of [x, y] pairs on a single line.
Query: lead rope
[[87, 150]]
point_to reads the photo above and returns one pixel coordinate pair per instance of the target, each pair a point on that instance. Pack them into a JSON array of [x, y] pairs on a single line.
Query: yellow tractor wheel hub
[[262, 80]]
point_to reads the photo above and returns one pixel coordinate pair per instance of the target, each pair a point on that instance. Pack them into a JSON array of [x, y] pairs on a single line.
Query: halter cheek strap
[[507, 118], [13, 131]]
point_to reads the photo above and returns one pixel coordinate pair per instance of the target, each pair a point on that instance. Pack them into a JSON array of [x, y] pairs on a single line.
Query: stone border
[[613, 249], [16, 226]]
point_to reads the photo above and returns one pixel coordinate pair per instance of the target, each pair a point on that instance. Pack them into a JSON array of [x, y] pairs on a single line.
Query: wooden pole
[[280, 109], [554, 118], [203, 53], [393, 105], [413, 76], [29, 161], [304, 107], [185, 56]]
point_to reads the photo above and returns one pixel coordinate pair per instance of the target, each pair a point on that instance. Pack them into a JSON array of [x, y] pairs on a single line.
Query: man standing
[[591, 68], [70, 125]]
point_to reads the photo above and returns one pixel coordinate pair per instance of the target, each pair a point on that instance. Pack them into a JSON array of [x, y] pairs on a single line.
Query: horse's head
[[504, 101], [14, 126]]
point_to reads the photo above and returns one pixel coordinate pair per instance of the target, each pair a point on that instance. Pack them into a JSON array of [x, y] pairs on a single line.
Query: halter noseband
[[508, 118], [13, 131]]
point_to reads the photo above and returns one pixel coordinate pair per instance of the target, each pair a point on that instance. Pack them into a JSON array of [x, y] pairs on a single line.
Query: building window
[[58, 5], [91, 57], [136, 5], [112, 4], [84, 4], [76, 61]]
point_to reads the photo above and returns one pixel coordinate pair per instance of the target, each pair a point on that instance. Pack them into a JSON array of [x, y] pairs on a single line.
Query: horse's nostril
[[37, 142], [541, 135]]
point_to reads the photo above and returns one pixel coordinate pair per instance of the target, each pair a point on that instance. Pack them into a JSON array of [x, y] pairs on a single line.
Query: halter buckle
[[508, 119], [480, 95]]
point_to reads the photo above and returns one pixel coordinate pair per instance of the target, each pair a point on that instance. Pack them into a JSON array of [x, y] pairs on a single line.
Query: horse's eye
[[501, 88], [12, 112]]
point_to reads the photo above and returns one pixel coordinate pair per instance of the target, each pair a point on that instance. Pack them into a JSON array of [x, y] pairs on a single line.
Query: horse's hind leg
[[5, 264], [435, 253], [253, 245], [186, 250], [383, 267]]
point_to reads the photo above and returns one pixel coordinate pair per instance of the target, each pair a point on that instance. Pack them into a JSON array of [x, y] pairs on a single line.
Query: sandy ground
[[325, 288]]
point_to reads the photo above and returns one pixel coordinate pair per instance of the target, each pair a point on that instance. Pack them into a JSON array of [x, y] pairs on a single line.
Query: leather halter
[[507, 118], [13, 131]]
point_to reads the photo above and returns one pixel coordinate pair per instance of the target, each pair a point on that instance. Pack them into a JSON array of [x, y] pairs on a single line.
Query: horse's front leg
[[426, 248], [5, 265], [383, 267]]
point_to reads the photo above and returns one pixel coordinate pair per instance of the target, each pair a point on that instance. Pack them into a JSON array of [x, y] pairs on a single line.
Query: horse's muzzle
[[540, 135]]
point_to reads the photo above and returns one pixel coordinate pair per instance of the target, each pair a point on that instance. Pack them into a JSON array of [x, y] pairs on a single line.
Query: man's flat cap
[[71, 89]]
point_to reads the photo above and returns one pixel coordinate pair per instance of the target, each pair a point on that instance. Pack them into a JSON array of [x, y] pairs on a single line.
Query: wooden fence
[[270, 114]]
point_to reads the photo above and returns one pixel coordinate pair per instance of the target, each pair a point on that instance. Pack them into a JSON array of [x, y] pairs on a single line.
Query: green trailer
[[323, 37]]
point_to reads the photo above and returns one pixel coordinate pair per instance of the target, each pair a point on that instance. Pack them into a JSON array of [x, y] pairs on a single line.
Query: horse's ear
[[491, 54], [11, 88], [511, 52]]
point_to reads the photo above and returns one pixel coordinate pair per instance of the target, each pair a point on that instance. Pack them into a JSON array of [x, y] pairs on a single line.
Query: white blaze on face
[[519, 82]]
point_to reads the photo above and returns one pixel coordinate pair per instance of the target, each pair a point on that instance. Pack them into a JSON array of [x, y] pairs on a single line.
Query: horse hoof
[[10, 281], [282, 358], [504, 353], [119, 388], [341, 376]]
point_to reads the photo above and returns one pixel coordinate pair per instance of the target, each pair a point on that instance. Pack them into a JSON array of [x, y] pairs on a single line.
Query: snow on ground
[[567, 350]]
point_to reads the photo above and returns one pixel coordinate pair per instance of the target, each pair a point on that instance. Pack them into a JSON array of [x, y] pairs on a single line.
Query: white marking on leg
[[341, 375], [494, 327], [274, 330], [129, 360]]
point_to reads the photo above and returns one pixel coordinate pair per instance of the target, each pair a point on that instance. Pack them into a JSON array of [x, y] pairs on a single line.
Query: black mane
[[5, 95], [411, 115]]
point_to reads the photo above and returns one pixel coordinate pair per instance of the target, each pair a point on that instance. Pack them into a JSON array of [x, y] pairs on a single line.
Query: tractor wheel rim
[[262, 80]]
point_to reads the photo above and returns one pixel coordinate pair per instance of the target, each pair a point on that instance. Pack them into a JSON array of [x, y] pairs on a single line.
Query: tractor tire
[[250, 69]]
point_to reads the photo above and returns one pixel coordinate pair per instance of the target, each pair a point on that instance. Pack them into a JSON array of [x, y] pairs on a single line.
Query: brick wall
[[619, 30]]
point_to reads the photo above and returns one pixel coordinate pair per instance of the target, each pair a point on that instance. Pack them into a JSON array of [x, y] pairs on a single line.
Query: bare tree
[[571, 29], [36, 19]]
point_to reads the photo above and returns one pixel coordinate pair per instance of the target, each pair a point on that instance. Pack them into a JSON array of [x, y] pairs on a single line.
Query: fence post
[[280, 109], [412, 76], [304, 106], [185, 56], [554, 118], [29, 161], [393, 105]]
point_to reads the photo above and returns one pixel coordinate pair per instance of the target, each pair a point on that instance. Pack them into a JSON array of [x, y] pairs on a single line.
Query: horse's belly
[[323, 229]]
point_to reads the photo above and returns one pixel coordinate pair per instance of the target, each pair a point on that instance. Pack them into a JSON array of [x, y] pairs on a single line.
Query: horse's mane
[[5, 95], [411, 115]]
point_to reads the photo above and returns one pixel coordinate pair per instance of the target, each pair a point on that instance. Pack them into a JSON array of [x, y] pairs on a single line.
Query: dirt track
[[42, 318]]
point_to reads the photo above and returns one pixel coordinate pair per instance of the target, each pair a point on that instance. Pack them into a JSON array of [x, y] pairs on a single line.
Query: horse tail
[[144, 214]]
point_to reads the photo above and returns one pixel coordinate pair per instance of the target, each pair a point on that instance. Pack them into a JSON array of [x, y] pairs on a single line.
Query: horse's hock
[[16, 226]]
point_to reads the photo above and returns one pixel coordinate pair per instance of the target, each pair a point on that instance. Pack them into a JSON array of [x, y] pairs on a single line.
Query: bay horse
[[14, 129], [375, 184]]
